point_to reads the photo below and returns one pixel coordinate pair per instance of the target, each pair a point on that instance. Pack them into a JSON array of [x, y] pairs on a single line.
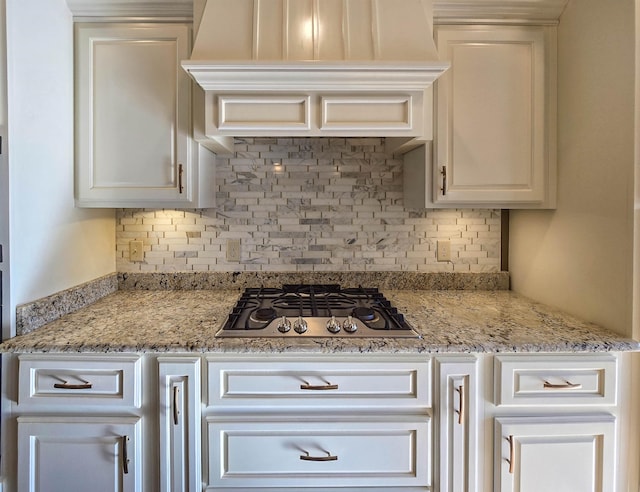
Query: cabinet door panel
[[549, 454], [69, 453], [492, 108], [133, 114]]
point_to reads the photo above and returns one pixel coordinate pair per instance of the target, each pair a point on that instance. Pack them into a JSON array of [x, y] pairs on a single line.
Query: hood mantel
[[316, 68]]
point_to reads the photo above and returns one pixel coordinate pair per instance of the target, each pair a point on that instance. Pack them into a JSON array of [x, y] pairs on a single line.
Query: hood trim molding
[[314, 76]]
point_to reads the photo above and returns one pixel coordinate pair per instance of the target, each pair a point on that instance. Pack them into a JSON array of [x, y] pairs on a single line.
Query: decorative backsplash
[[333, 204]]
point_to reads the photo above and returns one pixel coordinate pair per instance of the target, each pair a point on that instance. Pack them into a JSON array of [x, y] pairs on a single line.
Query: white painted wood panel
[[494, 117], [134, 144], [280, 384], [180, 428], [264, 113], [362, 113], [363, 452], [79, 453], [98, 381], [548, 380], [457, 423], [551, 454]]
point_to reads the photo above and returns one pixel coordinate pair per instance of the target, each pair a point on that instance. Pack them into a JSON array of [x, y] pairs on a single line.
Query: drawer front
[[319, 384], [320, 454], [549, 380], [87, 380]]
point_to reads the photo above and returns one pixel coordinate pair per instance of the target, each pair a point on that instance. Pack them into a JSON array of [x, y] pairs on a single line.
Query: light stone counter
[[186, 321]]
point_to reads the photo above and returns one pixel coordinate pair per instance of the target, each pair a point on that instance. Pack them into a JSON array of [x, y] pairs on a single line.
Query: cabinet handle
[[175, 405], [444, 180], [329, 457], [180, 171], [462, 403], [566, 385], [511, 454], [65, 385], [125, 457], [323, 387]]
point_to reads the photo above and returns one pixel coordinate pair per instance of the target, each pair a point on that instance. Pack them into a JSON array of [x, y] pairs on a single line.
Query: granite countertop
[[449, 321]]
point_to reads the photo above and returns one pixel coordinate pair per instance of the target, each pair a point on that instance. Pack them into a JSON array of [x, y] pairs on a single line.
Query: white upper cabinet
[[133, 118], [494, 142]]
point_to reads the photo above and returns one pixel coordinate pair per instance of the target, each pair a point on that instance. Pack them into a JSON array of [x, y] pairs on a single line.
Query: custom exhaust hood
[[315, 68]]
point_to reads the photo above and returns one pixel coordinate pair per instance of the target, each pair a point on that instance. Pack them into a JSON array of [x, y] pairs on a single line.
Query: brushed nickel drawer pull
[[125, 455], [322, 387], [65, 385], [176, 412], [329, 457], [566, 385], [511, 454], [462, 403]]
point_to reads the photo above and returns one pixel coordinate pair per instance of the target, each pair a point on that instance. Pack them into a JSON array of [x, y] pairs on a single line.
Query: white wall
[[54, 246], [580, 257]]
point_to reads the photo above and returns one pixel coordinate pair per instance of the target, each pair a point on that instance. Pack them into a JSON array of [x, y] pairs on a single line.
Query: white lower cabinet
[[79, 453], [319, 423], [557, 453], [316, 422], [555, 423]]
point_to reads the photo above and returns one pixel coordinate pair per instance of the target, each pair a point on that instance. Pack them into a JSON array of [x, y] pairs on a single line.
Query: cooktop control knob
[[300, 325], [333, 325], [284, 325], [349, 325]]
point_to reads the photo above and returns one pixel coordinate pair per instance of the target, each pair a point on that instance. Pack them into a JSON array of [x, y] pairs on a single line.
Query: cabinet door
[[180, 462], [494, 128], [79, 453], [133, 115], [457, 417], [551, 454]]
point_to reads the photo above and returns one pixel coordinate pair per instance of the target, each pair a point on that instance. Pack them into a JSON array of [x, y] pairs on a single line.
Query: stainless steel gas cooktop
[[315, 311]]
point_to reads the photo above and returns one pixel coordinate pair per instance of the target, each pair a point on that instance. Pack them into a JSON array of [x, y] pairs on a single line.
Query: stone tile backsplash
[[333, 204]]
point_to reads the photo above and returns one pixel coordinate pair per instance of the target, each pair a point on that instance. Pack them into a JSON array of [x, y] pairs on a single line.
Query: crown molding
[[498, 11], [181, 9]]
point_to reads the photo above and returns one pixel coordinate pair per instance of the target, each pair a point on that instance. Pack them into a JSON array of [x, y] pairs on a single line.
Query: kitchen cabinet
[[567, 439], [79, 422], [569, 453], [495, 121], [179, 412], [134, 145], [68, 453], [415, 422], [318, 422], [457, 413]]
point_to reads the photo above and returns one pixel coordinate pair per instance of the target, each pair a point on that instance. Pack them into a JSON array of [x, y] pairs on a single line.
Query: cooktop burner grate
[[315, 310]]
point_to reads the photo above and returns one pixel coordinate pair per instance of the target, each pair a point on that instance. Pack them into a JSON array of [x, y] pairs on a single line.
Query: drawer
[[549, 380], [87, 380], [331, 453], [319, 384]]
